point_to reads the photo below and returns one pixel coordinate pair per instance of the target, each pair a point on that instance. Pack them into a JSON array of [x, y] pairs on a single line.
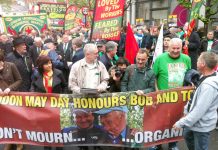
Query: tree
[[211, 8], [6, 5]]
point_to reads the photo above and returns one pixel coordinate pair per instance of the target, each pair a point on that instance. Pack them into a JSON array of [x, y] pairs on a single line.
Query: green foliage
[[135, 117], [211, 8], [60, 1], [6, 5], [8, 2], [185, 3], [65, 118], [83, 3]]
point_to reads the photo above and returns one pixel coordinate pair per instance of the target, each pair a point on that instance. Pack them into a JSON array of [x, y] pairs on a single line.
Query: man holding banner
[[170, 68], [139, 77], [88, 72], [200, 114]]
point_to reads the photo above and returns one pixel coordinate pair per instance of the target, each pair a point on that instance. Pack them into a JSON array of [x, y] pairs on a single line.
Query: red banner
[[108, 19], [58, 120]]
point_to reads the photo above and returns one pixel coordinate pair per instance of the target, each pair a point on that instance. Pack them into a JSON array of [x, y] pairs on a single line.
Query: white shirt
[[92, 76]]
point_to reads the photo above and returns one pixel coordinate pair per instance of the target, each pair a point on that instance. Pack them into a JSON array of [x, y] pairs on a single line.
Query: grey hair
[[110, 45], [210, 59], [175, 40], [89, 47], [37, 39]]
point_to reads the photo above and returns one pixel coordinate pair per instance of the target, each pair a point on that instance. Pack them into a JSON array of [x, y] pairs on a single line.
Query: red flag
[[190, 28], [187, 35], [131, 46]]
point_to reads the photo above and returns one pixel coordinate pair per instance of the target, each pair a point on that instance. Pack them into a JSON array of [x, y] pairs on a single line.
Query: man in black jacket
[[23, 63]]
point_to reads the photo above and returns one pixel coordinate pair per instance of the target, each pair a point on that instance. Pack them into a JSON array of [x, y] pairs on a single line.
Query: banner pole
[[93, 21]]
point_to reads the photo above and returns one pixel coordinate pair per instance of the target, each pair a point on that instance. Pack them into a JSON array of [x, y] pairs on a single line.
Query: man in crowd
[[64, 50], [50, 50], [200, 114], [35, 50], [170, 69], [23, 63], [5, 44], [166, 41], [206, 44], [109, 58], [193, 43], [116, 74], [88, 72], [139, 77], [101, 47], [77, 45]]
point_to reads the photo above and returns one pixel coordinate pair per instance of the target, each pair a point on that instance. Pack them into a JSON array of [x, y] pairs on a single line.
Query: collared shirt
[[65, 45], [92, 76]]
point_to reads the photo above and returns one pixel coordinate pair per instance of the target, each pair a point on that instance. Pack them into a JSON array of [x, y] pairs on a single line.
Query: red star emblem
[[28, 30]]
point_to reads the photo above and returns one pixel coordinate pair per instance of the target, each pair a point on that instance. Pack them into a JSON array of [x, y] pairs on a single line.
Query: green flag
[[196, 5]]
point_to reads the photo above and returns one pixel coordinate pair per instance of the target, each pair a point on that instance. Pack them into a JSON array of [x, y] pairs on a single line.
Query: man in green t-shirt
[[170, 69]]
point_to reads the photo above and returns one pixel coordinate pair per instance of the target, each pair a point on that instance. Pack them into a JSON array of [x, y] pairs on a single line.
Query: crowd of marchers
[[57, 62]]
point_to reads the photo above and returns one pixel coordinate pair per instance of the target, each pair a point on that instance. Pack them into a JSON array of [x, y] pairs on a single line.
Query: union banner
[[109, 119], [77, 17], [55, 12], [108, 16], [25, 23]]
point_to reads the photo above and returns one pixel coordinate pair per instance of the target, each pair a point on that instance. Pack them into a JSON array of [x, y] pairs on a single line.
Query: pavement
[[182, 146]]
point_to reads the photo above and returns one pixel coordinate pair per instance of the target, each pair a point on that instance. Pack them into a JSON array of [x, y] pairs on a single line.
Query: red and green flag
[[196, 5]]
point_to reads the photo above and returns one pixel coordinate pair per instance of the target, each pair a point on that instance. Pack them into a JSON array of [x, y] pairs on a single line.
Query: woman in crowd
[[48, 80], [10, 80]]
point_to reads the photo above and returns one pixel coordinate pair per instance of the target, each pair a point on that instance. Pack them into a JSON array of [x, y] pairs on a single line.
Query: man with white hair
[[170, 69], [88, 72], [35, 50]]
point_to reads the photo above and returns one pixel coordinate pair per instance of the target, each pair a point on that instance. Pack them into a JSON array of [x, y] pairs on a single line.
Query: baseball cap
[[108, 110]]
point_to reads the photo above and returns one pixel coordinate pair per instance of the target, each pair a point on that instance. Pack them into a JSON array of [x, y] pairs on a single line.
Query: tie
[[26, 63], [38, 50], [65, 47]]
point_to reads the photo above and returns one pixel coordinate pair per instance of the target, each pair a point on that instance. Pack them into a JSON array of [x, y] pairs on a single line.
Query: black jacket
[[34, 53], [24, 66], [66, 56], [193, 48], [106, 61], [78, 55], [59, 84]]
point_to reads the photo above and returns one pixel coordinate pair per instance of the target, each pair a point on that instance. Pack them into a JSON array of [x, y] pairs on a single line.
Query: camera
[[118, 73]]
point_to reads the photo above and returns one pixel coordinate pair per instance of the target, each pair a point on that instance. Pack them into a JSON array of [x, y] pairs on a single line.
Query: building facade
[[155, 12]]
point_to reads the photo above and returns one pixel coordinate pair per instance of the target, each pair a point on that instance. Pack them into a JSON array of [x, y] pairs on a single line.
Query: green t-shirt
[[170, 72]]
